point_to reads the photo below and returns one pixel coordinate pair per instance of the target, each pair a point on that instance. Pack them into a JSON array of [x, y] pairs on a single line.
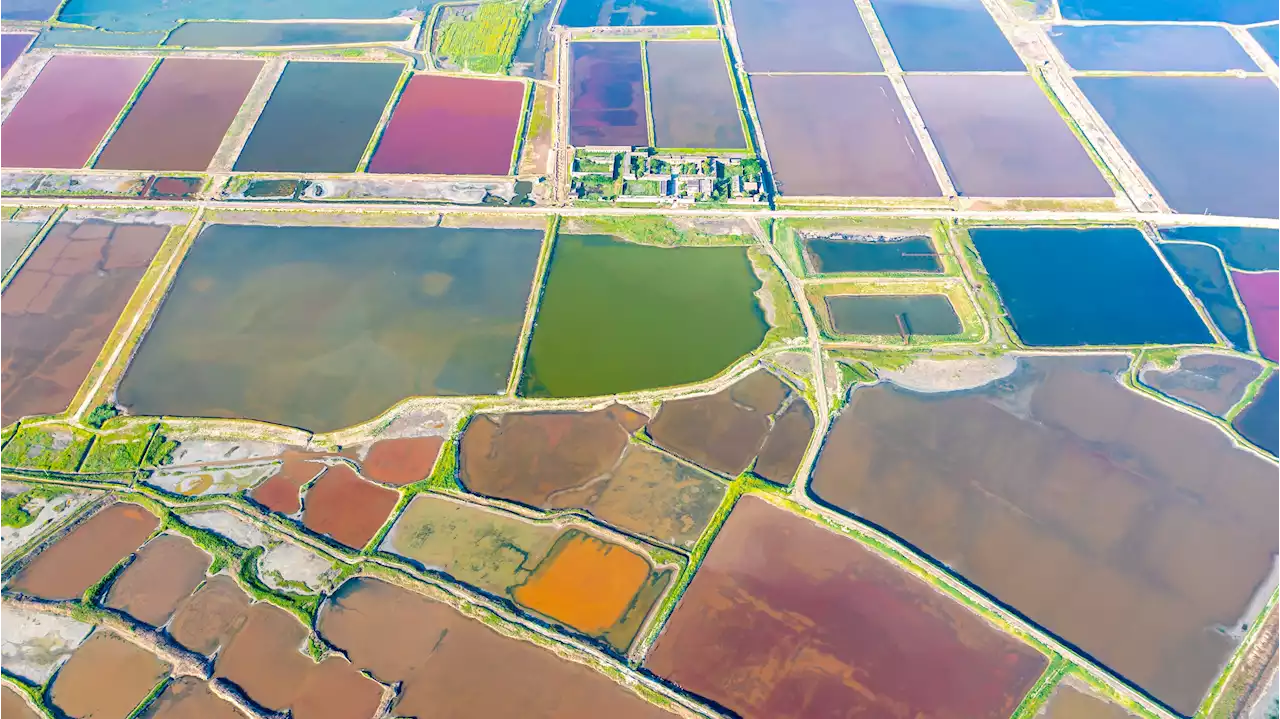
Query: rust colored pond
[[726, 431], [282, 492], [1097, 512], [343, 506], [211, 616], [402, 461], [190, 698], [106, 678], [164, 573], [585, 582], [1258, 291], [13, 706], [63, 116], [452, 126], [452, 665], [62, 305], [840, 135], [788, 619], [607, 105], [265, 660], [78, 560], [181, 116]]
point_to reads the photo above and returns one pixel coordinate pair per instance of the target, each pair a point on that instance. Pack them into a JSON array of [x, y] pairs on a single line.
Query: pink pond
[[1259, 291]]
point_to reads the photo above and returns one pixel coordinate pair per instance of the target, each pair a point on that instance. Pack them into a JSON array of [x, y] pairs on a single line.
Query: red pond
[[1259, 291]]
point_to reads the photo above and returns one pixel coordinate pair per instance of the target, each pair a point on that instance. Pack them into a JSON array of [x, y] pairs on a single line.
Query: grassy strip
[[540, 274], [653, 230], [1222, 696], [31, 246], [1044, 687], [124, 111], [385, 120], [786, 322], [522, 130], [34, 692], [648, 92], [1094, 155], [154, 694]]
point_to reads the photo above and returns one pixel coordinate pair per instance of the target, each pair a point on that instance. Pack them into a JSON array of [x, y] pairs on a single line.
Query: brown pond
[[452, 665], [211, 616], [1099, 513], [164, 573], [62, 305], [78, 560], [282, 492], [788, 619], [1214, 383], [265, 660], [1071, 702], [106, 678], [347, 508], [13, 706], [402, 461], [725, 431], [190, 698]]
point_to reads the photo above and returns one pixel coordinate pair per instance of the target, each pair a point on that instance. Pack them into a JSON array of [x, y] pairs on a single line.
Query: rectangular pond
[[62, 305], [73, 102], [810, 36], [692, 96], [145, 15], [618, 317], [12, 45], [320, 117], [1207, 143], [784, 612], [607, 104], [451, 126], [840, 135], [1098, 286], [1237, 12], [999, 136], [284, 34], [324, 327], [1094, 510], [607, 13], [179, 120], [872, 252], [945, 36], [893, 315], [30, 9], [1150, 48]]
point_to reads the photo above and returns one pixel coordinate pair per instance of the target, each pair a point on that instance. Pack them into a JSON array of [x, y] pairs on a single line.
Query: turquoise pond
[[1096, 286], [1202, 271]]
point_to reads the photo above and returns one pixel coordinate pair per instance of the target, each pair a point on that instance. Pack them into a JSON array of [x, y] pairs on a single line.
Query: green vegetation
[[1035, 699], [597, 187], [101, 414], [855, 372], [15, 512], [640, 187], [119, 451], [55, 448], [302, 606], [1163, 357], [159, 451], [150, 698], [652, 230], [783, 312], [603, 164], [483, 38]]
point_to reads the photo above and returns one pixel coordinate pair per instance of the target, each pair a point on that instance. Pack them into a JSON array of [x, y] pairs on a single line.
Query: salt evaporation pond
[[1098, 286], [1212, 382], [63, 116], [1237, 12], [692, 96], [618, 316], [945, 36], [607, 104], [15, 235], [324, 327], [841, 135], [320, 117], [1207, 143], [1150, 48], [1201, 270], [606, 13], [84, 555], [93, 37], [140, 15], [284, 34], [12, 45], [811, 36], [999, 136], [179, 120], [910, 253], [29, 9], [1260, 421], [108, 676], [912, 315], [1268, 36], [1260, 293], [1095, 511], [1244, 248]]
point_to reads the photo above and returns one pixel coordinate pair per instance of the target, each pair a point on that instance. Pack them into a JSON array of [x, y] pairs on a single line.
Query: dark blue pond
[[945, 36], [1209, 144], [1155, 48], [1260, 421], [1253, 249], [1236, 12], [1201, 270], [1268, 36], [605, 13], [1097, 286], [875, 254]]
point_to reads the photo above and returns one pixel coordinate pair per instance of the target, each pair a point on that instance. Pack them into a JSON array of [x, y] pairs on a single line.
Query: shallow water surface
[[1260, 421], [810, 36], [1200, 268], [1150, 48], [604, 13], [692, 96], [277, 34], [945, 36], [913, 253], [903, 315], [607, 104], [1260, 293]]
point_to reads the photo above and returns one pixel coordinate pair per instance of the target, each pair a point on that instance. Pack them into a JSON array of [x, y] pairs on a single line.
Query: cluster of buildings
[[645, 177]]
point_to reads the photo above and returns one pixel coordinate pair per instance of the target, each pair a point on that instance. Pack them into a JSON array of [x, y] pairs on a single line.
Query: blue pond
[[1208, 143], [1268, 36], [89, 37], [1097, 286], [604, 13], [945, 36], [1253, 249], [1260, 421], [1202, 271], [1236, 12], [1154, 48], [135, 15]]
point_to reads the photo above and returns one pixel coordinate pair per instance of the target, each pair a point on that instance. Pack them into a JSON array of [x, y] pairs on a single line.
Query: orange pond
[[585, 582], [210, 617], [190, 698], [282, 492], [13, 706], [106, 678], [347, 508], [402, 461], [164, 573], [62, 305], [451, 665], [78, 560]]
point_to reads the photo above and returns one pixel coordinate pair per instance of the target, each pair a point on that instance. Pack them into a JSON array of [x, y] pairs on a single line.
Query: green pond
[[326, 327], [617, 317]]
